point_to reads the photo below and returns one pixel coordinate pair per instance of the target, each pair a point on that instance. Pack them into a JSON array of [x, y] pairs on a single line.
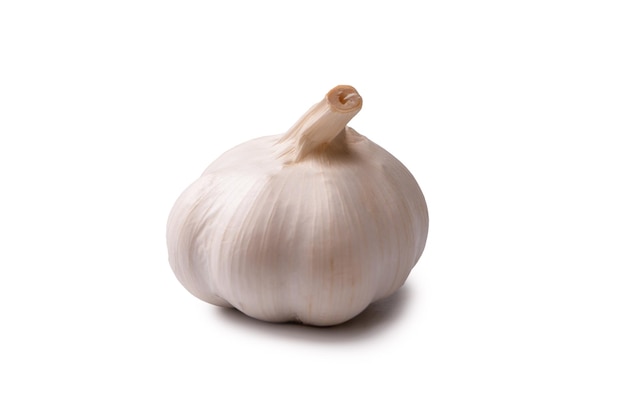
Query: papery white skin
[[288, 230]]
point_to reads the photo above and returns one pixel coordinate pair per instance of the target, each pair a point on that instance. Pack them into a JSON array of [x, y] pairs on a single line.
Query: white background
[[511, 115]]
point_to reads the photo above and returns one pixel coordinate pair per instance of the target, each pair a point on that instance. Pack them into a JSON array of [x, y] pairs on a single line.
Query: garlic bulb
[[311, 226]]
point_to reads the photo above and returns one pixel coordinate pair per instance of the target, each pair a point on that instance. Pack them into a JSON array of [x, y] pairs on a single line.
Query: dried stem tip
[[325, 121], [344, 99]]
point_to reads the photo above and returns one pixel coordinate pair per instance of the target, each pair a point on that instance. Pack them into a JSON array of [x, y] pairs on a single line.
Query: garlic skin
[[310, 226]]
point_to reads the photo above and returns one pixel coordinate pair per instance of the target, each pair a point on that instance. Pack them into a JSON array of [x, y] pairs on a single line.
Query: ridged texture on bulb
[[313, 238]]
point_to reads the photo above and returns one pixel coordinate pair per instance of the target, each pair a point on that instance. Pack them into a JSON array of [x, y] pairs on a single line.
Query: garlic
[[311, 226]]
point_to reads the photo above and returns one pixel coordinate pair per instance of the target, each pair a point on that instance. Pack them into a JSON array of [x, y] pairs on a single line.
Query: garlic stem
[[325, 121]]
